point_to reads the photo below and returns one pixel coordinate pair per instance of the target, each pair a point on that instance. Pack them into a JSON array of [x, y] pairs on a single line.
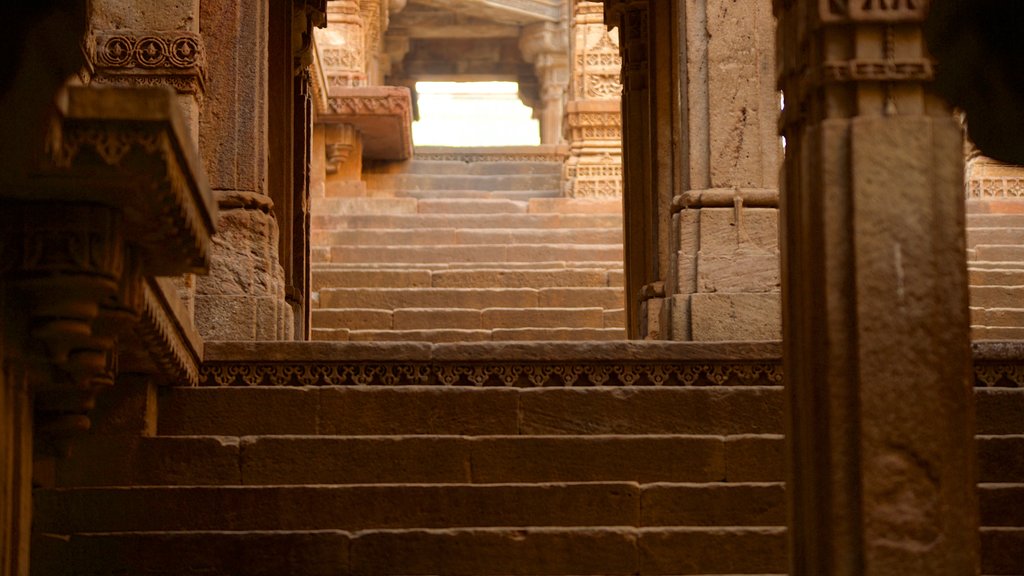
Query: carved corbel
[[341, 141], [117, 196]]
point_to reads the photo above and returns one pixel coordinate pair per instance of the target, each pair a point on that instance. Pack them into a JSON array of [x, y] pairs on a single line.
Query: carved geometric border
[[1006, 374], [517, 375]]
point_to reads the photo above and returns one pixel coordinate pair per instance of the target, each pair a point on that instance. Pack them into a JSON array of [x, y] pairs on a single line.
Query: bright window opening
[[473, 114]]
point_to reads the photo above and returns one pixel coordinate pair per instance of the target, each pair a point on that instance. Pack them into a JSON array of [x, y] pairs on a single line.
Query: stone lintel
[[128, 148], [726, 198], [382, 114]]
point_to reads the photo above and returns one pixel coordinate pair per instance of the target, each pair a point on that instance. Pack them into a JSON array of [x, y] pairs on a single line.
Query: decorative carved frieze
[[148, 58], [523, 154], [539, 374]]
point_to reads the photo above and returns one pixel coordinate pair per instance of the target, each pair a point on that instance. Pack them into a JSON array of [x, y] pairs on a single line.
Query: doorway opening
[[464, 114]]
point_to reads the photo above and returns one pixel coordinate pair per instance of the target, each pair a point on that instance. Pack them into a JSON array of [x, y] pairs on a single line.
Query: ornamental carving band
[[180, 50]]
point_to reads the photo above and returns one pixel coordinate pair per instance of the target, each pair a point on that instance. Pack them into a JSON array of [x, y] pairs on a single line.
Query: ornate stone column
[[876, 349], [546, 46], [243, 298], [593, 119]]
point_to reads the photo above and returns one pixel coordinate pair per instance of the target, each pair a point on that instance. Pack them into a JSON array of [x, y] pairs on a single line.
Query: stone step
[[995, 276], [1002, 551], [606, 334], [413, 220], [301, 460], [477, 253], [470, 298], [398, 506], [466, 278], [406, 319], [470, 335], [455, 167], [997, 317], [997, 333], [576, 206], [520, 195], [471, 206], [419, 410], [486, 182], [468, 236], [997, 296], [1001, 504], [361, 205], [555, 551], [298, 460], [994, 236], [999, 253], [425, 410], [984, 220]]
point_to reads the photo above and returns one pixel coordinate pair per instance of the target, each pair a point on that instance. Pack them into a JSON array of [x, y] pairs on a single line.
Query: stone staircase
[[995, 254], [467, 247], [468, 459]]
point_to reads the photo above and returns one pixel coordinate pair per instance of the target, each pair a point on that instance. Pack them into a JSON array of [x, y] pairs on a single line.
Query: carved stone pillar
[[723, 280], [342, 46], [546, 46], [243, 298], [876, 348], [593, 119]]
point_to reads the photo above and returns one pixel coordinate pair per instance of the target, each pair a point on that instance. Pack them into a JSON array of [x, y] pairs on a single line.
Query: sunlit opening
[[473, 114]]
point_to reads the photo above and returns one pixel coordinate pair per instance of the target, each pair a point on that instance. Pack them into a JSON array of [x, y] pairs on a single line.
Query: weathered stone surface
[[733, 316], [354, 318], [375, 279], [409, 411], [435, 336], [518, 278], [761, 504], [606, 298], [320, 553], [558, 334], [542, 318], [495, 552], [711, 411], [591, 459], [369, 460], [393, 298], [159, 461], [716, 550], [238, 411], [434, 318]]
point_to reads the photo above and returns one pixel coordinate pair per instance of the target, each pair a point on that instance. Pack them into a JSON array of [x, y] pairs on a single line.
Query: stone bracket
[[382, 114]]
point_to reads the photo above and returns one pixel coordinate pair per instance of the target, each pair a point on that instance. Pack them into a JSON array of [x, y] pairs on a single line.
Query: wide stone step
[[424, 410], [301, 460], [999, 253], [998, 317], [996, 276], [456, 167], [1002, 551], [997, 296], [994, 235], [997, 333], [526, 182], [459, 318], [518, 195], [453, 335], [469, 236], [980, 220], [477, 253], [599, 551], [471, 298], [393, 506], [466, 278], [414, 220]]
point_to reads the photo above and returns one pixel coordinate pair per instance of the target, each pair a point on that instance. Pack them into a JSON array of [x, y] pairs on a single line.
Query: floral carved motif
[[149, 58]]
